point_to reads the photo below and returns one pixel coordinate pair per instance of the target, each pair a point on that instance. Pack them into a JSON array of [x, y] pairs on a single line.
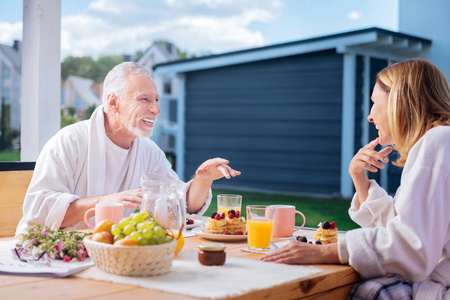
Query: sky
[[109, 27]]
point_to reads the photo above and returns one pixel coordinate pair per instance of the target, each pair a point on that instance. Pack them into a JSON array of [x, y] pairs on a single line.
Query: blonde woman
[[404, 241]]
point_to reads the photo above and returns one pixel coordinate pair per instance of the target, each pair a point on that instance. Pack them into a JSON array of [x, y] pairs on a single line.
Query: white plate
[[218, 237], [196, 224]]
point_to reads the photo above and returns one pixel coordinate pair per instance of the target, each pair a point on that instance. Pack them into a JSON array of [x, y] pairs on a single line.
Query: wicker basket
[[131, 260]]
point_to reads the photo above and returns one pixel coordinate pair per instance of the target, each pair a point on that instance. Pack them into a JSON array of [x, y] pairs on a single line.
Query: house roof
[[375, 41], [14, 55], [83, 86]]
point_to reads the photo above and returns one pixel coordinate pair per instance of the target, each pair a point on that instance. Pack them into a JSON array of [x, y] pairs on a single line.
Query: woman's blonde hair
[[419, 99]]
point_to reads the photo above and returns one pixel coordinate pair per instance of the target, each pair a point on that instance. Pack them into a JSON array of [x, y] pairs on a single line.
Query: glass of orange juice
[[225, 202], [259, 226]]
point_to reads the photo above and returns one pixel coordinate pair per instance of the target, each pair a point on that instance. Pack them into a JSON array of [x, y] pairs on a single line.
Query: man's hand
[[214, 169], [130, 198]]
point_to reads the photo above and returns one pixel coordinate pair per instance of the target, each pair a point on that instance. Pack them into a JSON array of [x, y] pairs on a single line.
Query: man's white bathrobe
[[72, 165]]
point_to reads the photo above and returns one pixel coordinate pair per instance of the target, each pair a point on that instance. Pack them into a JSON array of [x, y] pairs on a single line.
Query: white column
[[180, 135], [348, 122], [41, 75]]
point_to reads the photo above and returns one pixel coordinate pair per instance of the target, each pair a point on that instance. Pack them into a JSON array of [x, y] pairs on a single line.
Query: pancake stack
[[219, 224], [326, 233]]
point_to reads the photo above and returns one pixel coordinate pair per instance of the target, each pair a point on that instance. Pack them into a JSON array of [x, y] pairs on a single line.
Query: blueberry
[[304, 239], [326, 225], [213, 214], [318, 243], [231, 211]]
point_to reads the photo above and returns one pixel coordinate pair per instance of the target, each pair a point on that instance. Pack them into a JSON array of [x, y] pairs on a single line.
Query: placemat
[[188, 277]]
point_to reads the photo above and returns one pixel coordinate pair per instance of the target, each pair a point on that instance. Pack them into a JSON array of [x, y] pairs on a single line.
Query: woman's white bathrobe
[[408, 235], [72, 166]]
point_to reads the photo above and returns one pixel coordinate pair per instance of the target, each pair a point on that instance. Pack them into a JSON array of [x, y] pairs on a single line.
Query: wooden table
[[335, 282]]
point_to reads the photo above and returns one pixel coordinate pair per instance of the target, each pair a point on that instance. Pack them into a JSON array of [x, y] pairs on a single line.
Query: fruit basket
[[131, 260]]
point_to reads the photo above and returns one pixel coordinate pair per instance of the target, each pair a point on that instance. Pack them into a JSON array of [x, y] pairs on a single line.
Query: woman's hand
[[369, 159], [302, 253]]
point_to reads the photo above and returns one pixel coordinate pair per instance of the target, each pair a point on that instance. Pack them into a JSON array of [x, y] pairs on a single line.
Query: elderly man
[[101, 160]]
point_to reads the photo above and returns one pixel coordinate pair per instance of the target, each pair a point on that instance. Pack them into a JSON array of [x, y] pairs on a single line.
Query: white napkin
[[188, 277]]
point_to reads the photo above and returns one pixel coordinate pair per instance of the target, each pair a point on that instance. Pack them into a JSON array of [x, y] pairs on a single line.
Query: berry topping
[[237, 215], [302, 239], [222, 215], [191, 221], [217, 217], [226, 233], [230, 216], [239, 233], [231, 211], [318, 243], [298, 237], [309, 242], [326, 225], [213, 214], [332, 225]]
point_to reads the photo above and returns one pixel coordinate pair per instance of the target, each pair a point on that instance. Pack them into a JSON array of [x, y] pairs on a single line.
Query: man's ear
[[113, 102]]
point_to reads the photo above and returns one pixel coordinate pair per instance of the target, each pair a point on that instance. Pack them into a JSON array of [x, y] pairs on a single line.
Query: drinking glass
[[259, 226], [225, 202]]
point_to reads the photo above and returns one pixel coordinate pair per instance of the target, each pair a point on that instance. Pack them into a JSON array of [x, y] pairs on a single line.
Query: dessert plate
[[197, 223], [218, 237]]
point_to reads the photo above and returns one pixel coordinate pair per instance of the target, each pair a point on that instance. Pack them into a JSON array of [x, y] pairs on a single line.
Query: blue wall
[[278, 121]]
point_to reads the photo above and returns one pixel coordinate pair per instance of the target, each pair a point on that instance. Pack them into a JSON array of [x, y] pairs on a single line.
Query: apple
[[103, 237]]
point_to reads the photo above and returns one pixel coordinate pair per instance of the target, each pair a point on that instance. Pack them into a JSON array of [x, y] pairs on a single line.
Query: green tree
[[67, 119], [89, 111]]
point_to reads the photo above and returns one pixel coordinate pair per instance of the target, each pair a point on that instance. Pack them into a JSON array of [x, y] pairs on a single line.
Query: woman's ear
[[113, 102]]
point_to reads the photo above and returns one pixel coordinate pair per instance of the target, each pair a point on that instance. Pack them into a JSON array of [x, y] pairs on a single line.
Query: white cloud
[[10, 32], [354, 15], [198, 26]]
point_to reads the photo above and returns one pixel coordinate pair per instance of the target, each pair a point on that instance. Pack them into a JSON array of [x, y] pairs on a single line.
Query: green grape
[[148, 233], [135, 235], [162, 240], [138, 218], [152, 241], [142, 241], [124, 222], [145, 213], [144, 225], [118, 237], [129, 229], [159, 231], [115, 230]]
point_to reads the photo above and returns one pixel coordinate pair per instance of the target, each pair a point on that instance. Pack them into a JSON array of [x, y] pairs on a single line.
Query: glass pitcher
[[163, 198]]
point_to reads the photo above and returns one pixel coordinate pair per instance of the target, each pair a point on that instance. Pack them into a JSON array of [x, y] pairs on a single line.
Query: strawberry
[[239, 233], [222, 215], [231, 216], [226, 233], [332, 225], [237, 215], [217, 217]]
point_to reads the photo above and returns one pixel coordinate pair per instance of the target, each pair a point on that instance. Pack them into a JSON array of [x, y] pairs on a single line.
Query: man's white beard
[[134, 128]]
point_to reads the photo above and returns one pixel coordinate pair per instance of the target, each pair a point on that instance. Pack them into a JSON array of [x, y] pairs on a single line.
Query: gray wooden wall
[[278, 121]]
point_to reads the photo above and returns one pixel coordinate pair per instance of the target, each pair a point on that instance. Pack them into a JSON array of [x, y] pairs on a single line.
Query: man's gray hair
[[116, 83]]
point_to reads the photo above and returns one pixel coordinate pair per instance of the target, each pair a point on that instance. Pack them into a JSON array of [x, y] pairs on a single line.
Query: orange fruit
[[180, 244], [126, 242], [104, 225]]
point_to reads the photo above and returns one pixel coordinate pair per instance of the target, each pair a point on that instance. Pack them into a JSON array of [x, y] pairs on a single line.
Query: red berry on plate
[[217, 217], [226, 233], [237, 215], [231, 216], [191, 221], [332, 225], [239, 233], [222, 215], [309, 242]]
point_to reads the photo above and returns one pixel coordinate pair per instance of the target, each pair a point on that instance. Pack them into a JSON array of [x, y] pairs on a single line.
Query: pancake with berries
[[235, 223], [216, 224], [327, 233]]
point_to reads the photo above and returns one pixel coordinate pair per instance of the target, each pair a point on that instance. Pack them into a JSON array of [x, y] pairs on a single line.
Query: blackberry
[[326, 225], [318, 243], [213, 214], [231, 211], [304, 239]]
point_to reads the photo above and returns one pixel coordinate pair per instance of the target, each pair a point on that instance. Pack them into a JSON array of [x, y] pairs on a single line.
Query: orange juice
[[259, 233], [226, 209]]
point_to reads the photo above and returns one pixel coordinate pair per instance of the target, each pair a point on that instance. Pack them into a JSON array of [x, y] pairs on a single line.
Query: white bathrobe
[[408, 235], [72, 166]]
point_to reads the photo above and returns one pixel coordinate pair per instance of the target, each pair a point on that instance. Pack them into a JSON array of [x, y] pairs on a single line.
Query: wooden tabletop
[[334, 282]]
